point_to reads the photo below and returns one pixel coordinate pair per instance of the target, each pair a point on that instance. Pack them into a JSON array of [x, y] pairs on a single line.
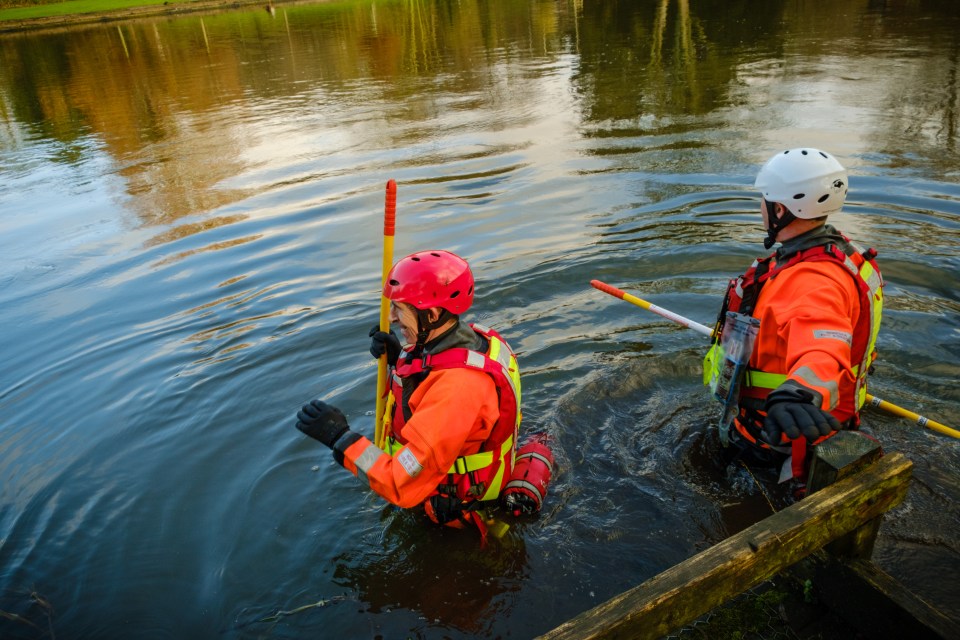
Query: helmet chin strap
[[776, 225], [424, 327]]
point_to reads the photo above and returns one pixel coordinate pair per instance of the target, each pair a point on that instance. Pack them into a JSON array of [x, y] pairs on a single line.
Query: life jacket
[[742, 295], [477, 477]]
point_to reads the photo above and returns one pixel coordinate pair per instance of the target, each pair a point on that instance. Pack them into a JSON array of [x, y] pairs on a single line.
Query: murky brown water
[[190, 219]]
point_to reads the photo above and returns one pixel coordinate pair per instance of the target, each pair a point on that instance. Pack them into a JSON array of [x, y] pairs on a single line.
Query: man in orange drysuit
[[453, 408], [818, 300]]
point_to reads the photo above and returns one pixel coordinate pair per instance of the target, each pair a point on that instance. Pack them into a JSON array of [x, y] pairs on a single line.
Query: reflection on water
[[190, 220]]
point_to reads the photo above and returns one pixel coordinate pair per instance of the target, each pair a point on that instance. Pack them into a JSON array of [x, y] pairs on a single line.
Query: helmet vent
[[824, 197], [454, 294], [824, 155], [804, 152], [415, 259], [394, 283], [434, 254], [799, 196]]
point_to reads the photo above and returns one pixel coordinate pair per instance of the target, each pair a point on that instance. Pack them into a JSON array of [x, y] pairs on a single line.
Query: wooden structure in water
[[830, 534]]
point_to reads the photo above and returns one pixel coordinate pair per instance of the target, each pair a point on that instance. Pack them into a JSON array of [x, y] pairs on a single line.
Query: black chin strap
[[424, 327], [776, 224]]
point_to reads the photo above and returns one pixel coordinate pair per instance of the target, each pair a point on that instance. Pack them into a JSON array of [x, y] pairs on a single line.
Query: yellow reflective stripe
[[493, 488], [770, 381], [763, 380], [875, 285], [711, 364], [506, 359], [476, 461], [392, 446], [494, 348], [466, 464], [388, 419]]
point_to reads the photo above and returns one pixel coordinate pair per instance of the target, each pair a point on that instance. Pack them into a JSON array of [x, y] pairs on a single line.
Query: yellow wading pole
[[920, 420], [389, 227], [707, 331]]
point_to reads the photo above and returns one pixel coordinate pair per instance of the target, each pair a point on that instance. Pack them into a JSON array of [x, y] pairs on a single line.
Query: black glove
[[382, 342], [796, 418], [322, 422]]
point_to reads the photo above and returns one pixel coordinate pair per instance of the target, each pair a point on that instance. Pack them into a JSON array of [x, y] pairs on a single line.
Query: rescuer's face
[[405, 316]]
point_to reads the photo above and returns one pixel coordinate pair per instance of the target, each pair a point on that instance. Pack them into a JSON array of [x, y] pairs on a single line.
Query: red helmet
[[431, 279]]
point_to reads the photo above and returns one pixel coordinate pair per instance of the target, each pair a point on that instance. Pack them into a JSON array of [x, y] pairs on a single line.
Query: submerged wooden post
[[867, 598], [839, 457], [872, 602], [686, 591]]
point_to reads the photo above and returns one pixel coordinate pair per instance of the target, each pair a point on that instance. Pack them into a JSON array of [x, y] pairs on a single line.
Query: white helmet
[[808, 182]]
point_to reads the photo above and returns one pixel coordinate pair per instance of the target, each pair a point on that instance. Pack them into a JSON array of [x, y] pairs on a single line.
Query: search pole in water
[[389, 228], [707, 331]]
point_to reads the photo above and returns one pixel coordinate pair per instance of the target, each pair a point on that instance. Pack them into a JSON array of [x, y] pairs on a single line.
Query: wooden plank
[[686, 591]]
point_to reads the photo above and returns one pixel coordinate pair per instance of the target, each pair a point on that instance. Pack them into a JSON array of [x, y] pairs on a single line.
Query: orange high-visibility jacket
[[807, 318], [453, 414]]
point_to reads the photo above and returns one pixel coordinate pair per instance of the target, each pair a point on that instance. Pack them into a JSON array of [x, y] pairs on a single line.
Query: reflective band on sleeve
[[813, 380], [366, 460], [842, 336], [409, 463]]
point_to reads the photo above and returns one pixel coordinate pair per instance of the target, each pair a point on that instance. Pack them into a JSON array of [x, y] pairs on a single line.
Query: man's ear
[[433, 314], [779, 209]]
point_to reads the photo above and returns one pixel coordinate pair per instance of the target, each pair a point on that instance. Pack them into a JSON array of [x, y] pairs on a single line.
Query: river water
[[191, 231]]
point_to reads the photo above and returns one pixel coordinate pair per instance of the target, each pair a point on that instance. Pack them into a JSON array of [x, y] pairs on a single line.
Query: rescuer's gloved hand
[[322, 422], [382, 342], [792, 412]]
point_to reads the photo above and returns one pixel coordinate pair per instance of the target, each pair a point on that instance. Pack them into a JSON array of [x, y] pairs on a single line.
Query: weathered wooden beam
[[686, 591]]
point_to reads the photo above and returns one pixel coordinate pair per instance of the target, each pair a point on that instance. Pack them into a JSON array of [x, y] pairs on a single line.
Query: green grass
[[73, 7]]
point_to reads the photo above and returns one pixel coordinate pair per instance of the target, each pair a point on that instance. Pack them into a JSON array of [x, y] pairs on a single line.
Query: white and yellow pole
[[707, 331]]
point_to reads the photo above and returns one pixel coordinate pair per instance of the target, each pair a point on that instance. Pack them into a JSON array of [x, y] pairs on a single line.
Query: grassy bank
[[17, 15], [27, 11]]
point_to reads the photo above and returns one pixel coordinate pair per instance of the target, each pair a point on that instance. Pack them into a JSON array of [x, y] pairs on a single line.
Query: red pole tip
[[390, 209], [606, 288]]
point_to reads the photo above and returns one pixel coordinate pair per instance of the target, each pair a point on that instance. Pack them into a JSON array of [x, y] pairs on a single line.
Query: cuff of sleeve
[[793, 391], [342, 444]]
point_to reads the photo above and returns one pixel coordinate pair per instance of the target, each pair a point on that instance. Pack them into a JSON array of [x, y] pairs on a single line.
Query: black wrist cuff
[[343, 443], [792, 391]]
